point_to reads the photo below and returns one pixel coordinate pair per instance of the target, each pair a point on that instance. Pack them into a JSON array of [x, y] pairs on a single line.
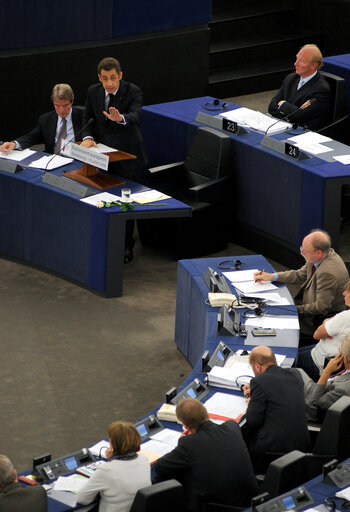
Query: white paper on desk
[[102, 148], [226, 405], [232, 360], [310, 138], [48, 162], [68, 498], [167, 436], [271, 298], [343, 159], [344, 493], [17, 155], [148, 196], [240, 275], [103, 196], [156, 447], [256, 120], [99, 449], [252, 287], [314, 149], [274, 322], [71, 483]]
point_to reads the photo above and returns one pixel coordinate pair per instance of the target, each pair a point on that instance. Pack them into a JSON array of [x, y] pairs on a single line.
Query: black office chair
[[202, 181], [285, 473], [334, 439], [337, 126], [168, 495]]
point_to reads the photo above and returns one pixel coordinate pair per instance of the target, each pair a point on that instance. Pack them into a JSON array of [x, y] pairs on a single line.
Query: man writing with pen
[[322, 281]]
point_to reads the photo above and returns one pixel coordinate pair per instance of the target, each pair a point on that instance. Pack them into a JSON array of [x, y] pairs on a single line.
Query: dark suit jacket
[[213, 464], [314, 116], [276, 415], [45, 130], [128, 101], [15, 498]]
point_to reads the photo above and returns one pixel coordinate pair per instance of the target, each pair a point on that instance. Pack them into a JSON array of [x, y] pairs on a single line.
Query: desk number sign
[[229, 126], [291, 151]]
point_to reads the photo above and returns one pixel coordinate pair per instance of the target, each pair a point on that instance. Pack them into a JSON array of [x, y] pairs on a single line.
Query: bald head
[[191, 413], [320, 240], [316, 245], [261, 358]]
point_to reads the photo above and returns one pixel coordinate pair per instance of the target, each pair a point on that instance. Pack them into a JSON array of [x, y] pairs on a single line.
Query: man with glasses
[[322, 281], [275, 421]]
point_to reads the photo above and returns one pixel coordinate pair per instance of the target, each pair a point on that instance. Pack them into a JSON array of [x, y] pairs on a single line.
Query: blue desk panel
[[196, 321], [55, 231], [272, 193]]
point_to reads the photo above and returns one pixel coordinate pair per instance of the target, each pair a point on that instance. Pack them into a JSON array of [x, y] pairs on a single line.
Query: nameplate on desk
[[220, 123], [283, 148], [292, 151], [87, 156]]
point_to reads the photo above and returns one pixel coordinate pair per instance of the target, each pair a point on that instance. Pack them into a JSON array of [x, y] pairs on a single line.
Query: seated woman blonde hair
[[126, 471]]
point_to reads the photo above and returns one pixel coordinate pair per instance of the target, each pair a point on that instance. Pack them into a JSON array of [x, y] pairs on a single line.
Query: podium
[[90, 175]]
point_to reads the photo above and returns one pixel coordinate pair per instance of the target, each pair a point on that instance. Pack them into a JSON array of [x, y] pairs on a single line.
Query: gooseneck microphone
[[294, 125], [90, 121]]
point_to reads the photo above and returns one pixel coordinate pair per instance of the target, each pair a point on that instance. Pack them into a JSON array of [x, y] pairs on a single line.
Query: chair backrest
[[209, 154], [285, 473], [338, 96], [334, 439], [164, 496]]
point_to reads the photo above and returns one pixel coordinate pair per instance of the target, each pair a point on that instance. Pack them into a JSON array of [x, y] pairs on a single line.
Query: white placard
[[87, 156]]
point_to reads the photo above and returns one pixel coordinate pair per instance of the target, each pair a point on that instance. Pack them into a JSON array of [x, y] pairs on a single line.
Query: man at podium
[[115, 106]]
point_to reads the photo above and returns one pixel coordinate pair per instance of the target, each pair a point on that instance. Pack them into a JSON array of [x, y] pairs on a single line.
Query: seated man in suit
[[15, 497], [275, 421], [54, 127], [334, 382], [322, 281], [211, 461], [304, 96]]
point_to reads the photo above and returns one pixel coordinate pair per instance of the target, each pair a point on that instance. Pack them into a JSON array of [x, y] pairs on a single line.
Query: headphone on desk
[[214, 105], [230, 264], [331, 502]]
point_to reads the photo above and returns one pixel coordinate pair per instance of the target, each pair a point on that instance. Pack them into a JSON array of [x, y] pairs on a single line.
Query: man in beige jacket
[[322, 281]]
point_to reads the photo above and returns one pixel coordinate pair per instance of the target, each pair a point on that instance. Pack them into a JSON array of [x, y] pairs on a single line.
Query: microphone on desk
[[294, 125], [90, 121]]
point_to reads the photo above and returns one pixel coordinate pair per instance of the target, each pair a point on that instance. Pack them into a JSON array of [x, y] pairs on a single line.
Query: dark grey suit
[[276, 416], [213, 464], [16, 498], [128, 100], [321, 397], [314, 116], [45, 130]]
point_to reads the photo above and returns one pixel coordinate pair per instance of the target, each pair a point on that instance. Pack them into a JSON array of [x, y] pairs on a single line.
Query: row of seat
[[332, 441]]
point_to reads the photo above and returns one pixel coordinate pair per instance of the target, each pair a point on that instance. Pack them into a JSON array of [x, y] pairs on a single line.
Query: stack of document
[[236, 373], [256, 120], [230, 378], [222, 406]]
